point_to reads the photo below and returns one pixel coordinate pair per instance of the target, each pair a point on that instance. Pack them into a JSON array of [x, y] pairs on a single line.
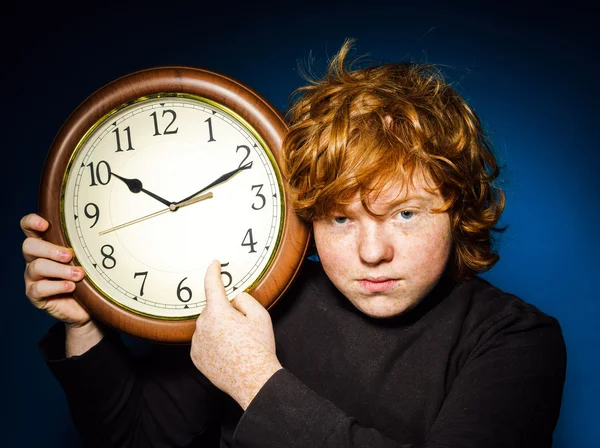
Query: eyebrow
[[385, 208], [416, 197], [340, 210]]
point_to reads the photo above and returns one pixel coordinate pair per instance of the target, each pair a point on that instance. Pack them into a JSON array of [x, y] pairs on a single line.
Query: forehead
[[419, 189]]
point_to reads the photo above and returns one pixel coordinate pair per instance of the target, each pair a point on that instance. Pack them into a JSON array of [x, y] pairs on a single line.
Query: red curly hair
[[353, 132]]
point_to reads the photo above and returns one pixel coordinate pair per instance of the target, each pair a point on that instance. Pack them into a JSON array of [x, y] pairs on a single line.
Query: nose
[[375, 245]]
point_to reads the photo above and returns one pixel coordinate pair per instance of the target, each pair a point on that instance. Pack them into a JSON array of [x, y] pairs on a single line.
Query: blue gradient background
[[530, 72]]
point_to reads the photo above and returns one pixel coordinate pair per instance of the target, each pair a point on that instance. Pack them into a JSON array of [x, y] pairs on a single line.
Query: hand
[[220, 180], [172, 208], [49, 282], [233, 345], [135, 186]]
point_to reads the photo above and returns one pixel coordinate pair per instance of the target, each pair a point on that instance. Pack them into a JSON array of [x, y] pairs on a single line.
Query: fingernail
[[64, 254], [76, 273], [69, 286]]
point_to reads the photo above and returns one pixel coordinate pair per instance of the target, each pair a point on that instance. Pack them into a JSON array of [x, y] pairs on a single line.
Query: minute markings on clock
[[135, 187]]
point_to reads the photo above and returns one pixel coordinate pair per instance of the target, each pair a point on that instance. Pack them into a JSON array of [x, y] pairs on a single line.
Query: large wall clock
[[157, 174]]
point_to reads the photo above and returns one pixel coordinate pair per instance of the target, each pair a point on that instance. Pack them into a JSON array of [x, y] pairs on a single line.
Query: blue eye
[[340, 220], [405, 214]]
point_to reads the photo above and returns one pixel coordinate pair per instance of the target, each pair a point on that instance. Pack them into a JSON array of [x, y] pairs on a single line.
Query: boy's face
[[386, 265]]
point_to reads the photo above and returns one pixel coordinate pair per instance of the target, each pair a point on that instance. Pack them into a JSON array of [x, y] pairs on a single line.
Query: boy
[[390, 341]]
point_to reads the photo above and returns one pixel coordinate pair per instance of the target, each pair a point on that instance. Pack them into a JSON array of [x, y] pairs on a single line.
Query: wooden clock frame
[[249, 105]]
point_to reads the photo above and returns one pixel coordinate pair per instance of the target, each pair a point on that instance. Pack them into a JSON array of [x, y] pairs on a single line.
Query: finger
[[37, 248], [43, 289], [249, 306], [33, 225], [42, 268], [213, 286]]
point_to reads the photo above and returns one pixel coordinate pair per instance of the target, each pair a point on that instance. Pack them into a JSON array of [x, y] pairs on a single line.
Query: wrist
[[80, 338], [256, 382], [77, 326]]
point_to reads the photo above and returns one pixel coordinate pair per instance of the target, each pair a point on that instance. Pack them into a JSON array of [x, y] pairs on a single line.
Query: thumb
[[213, 286], [249, 306], [33, 225]]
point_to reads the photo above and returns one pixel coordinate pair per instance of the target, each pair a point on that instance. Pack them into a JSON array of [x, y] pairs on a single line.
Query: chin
[[382, 307]]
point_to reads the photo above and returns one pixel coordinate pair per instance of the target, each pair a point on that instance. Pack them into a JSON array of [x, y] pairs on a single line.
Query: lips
[[378, 284]]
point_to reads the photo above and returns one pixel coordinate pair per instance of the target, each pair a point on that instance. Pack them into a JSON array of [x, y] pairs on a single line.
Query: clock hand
[[135, 186], [218, 181], [160, 212]]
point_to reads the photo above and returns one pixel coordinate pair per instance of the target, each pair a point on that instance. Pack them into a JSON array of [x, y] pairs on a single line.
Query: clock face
[[158, 189]]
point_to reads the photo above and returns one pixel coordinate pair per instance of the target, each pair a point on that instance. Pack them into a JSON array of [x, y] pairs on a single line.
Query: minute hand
[[218, 181]]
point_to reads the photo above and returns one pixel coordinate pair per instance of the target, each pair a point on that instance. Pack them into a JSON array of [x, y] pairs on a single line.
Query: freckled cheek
[[336, 255], [431, 252]]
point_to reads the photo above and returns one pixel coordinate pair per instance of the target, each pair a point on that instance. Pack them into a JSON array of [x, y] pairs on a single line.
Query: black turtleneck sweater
[[470, 366]]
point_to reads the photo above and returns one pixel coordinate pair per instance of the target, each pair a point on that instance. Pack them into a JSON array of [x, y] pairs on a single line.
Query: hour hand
[[135, 186]]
